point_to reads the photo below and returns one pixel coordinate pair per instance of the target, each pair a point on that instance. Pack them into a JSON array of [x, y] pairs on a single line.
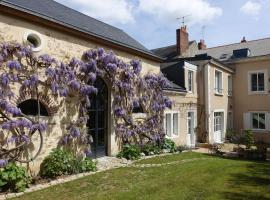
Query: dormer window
[[190, 81]]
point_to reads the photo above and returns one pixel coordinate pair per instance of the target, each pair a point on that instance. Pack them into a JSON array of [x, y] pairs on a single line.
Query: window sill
[[259, 130], [257, 93], [172, 137], [218, 94]]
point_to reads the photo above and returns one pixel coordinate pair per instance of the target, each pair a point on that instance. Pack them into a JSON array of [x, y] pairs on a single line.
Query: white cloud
[[200, 11], [111, 11], [251, 8]]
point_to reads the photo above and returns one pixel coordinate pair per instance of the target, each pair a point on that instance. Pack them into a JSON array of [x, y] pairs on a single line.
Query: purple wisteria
[[76, 79]]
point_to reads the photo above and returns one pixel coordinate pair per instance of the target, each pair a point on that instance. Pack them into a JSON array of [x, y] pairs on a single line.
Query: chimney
[[243, 40], [182, 40], [201, 45]]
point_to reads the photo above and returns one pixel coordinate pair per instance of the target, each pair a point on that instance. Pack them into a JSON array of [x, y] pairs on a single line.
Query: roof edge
[[61, 23]]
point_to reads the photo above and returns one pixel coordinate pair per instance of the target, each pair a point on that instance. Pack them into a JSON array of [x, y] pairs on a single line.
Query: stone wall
[[63, 47]]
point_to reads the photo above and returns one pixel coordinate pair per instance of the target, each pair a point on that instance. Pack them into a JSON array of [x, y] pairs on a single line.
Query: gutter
[[59, 22], [174, 91], [249, 59]]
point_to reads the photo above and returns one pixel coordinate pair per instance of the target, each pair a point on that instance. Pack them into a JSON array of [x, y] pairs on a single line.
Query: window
[[190, 81], [34, 39], [230, 120], [230, 85], [168, 125], [175, 123], [190, 122], [258, 81], [31, 107], [258, 121], [218, 82], [171, 124], [217, 121]]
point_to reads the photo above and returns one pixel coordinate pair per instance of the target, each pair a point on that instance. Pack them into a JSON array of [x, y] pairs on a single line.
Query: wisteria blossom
[[76, 78]]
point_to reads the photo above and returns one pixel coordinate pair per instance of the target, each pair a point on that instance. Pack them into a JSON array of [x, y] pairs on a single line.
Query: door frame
[[106, 123], [222, 131], [191, 143]]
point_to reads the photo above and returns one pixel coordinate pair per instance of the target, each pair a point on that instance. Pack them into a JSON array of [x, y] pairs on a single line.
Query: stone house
[[231, 86], [213, 90]]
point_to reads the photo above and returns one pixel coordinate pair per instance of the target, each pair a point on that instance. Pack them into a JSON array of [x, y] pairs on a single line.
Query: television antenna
[[183, 18], [203, 32]]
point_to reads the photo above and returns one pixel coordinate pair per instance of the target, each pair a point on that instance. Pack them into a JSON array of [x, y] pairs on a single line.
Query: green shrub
[[249, 141], [61, 162], [13, 178], [230, 134], [169, 145], [130, 152], [149, 149], [86, 165], [182, 148]]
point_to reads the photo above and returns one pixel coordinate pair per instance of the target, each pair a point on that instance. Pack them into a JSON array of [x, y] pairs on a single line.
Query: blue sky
[[153, 22]]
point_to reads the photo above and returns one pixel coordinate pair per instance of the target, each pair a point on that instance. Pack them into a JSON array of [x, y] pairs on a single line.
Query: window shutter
[[267, 121], [247, 121]]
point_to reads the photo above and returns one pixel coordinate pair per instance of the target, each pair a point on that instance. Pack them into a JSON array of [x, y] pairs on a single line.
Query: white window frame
[[230, 85], [251, 120], [218, 91], [190, 111], [173, 134], [191, 82], [220, 121], [265, 91]]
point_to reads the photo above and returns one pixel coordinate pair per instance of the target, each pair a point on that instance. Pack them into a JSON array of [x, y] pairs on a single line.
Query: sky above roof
[[153, 22]]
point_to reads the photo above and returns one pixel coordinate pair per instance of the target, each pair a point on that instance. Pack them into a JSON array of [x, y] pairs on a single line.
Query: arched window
[[138, 109], [30, 107]]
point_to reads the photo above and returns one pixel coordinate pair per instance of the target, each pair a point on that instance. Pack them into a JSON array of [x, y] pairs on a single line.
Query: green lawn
[[215, 178]]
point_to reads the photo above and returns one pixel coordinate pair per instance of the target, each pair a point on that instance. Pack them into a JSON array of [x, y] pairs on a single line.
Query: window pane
[[255, 120], [168, 125], [218, 81], [217, 121], [261, 121], [229, 85], [175, 124], [261, 81], [254, 82], [190, 81]]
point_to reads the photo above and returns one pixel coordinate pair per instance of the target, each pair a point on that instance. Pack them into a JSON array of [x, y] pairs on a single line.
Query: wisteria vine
[[21, 68]]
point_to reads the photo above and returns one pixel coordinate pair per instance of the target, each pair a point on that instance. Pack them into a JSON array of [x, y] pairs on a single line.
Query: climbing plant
[[21, 69]]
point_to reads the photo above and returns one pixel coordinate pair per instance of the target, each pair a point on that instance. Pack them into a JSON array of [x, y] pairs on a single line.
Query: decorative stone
[[142, 154]]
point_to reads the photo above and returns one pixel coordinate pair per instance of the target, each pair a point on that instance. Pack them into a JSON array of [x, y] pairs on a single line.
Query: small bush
[[169, 145], [182, 148], [249, 141], [230, 134], [86, 165], [61, 162], [130, 152], [13, 178], [150, 149]]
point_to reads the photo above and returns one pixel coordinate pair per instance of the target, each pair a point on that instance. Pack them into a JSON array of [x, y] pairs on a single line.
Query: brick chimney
[[243, 40], [182, 42], [201, 45]]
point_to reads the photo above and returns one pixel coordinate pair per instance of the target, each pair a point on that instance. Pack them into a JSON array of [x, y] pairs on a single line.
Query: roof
[[56, 12], [174, 87], [259, 47], [168, 52]]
